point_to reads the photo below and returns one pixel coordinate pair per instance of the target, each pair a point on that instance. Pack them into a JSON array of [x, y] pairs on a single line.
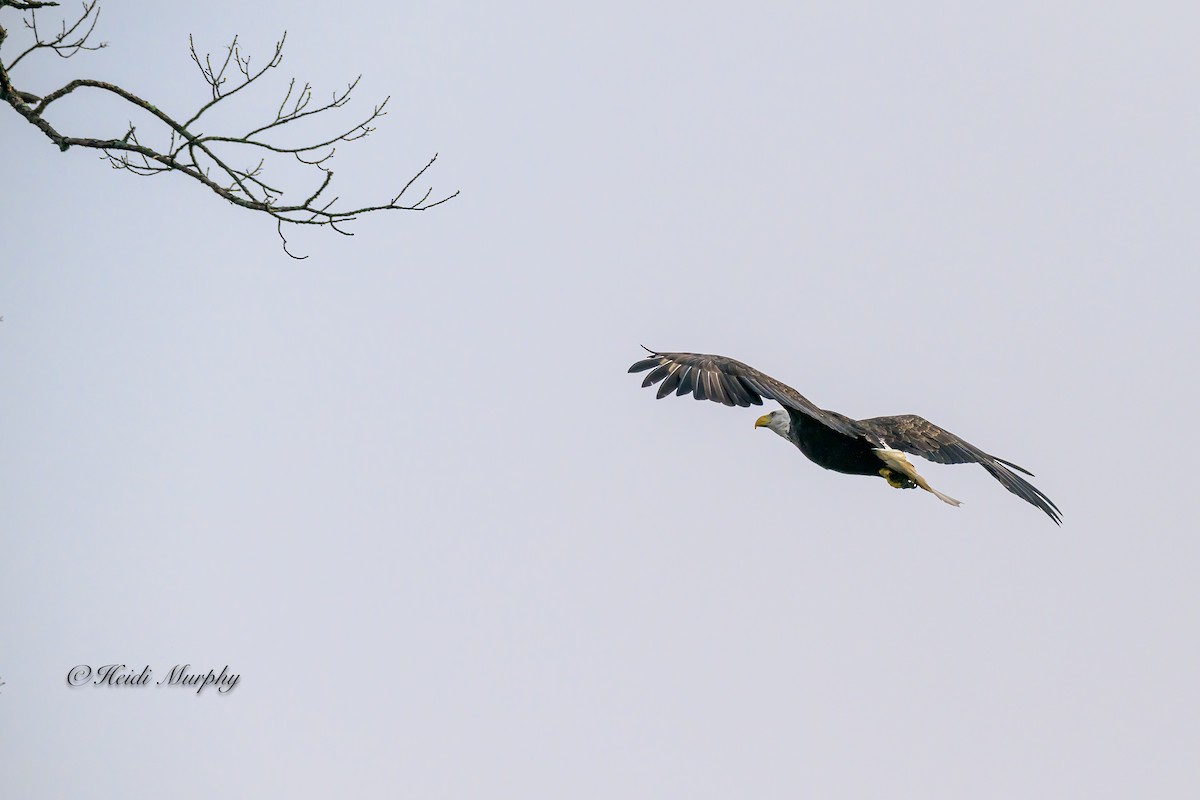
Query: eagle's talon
[[897, 481]]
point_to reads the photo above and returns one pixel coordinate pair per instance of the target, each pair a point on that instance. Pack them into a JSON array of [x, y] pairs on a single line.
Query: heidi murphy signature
[[120, 675]]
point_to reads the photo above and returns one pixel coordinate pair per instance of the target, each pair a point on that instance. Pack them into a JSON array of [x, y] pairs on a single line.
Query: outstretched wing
[[724, 380], [920, 437]]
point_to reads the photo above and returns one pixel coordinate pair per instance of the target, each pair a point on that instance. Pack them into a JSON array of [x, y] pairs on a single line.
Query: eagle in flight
[[875, 446]]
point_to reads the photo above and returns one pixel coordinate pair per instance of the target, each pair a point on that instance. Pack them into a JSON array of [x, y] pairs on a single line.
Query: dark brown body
[[830, 449]]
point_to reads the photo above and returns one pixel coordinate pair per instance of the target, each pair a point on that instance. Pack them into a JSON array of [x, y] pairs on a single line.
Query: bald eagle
[[873, 446]]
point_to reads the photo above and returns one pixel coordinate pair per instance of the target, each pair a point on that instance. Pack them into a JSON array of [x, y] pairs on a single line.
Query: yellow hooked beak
[[762, 421]]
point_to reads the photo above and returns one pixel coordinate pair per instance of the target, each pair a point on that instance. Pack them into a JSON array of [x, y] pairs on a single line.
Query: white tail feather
[[896, 460]]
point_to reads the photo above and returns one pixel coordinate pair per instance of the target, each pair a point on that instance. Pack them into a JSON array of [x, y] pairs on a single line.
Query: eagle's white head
[[778, 421]]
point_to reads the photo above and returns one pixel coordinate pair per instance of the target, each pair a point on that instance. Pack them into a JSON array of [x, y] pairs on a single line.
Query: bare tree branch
[[59, 44], [209, 158], [27, 5]]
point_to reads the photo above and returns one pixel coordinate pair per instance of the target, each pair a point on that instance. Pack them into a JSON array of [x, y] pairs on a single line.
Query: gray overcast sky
[[406, 490]]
